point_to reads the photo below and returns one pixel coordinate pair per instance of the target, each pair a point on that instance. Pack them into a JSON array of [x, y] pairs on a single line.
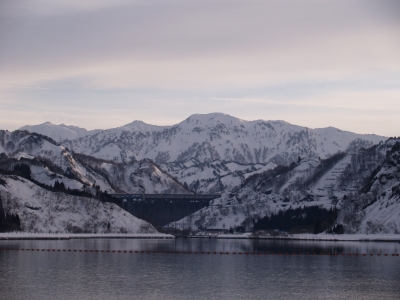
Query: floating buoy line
[[202, 252]]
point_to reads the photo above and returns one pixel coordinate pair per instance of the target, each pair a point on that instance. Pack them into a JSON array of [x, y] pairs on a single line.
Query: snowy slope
[[141, 177], [40, 210], [26, 146], [214, 177], [335, 182], [59, 132], [377, 208], [49, 162]]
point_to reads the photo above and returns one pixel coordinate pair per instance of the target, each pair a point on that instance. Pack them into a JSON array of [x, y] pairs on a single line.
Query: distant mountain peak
[[57, 132], [139, 125]]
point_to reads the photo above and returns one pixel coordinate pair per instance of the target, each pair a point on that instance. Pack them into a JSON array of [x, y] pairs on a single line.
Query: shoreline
[[246, 236], [308, 237], [322, 237], [66, 236]]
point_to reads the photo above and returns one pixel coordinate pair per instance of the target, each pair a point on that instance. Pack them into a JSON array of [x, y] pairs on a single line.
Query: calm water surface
[[80, 275]]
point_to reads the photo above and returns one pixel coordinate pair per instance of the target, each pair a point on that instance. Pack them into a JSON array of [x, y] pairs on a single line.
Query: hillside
[[352, 192], [48, 162], [43, 211]]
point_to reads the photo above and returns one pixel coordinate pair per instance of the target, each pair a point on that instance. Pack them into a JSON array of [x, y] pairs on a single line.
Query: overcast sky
[[102, 64]]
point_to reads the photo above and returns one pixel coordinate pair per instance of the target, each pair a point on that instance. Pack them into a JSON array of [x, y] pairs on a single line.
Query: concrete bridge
[[162, 209]]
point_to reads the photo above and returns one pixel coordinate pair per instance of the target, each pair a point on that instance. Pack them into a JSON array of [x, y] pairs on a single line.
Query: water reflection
[[70, 275], [210, 245]]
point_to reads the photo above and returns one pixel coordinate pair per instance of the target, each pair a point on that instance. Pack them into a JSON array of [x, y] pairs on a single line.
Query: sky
[[101, 64]]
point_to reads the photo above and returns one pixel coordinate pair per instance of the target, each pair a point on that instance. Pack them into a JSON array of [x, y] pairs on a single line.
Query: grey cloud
[[209, 48], [178, 30]]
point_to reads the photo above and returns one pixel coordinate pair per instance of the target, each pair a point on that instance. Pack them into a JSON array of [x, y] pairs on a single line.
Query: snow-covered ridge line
[[65, 236]]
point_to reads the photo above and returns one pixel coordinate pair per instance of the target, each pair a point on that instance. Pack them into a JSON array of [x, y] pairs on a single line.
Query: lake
[[124, 275]]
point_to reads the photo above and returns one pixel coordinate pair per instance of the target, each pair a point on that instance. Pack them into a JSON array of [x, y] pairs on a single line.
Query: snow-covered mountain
[[214, 152], [59, 132], [43, 211], [216, 136], [360, 188], [46, 188], [314, 179], [377, 208], [49, 162]]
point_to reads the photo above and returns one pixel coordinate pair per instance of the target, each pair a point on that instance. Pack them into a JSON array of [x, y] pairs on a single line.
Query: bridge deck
[[162, 209]]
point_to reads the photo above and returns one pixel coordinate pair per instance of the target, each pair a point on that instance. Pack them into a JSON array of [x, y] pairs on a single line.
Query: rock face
[[43, 211]]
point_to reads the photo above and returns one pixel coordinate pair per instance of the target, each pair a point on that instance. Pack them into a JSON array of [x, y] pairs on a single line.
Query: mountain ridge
[[37, 128]]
